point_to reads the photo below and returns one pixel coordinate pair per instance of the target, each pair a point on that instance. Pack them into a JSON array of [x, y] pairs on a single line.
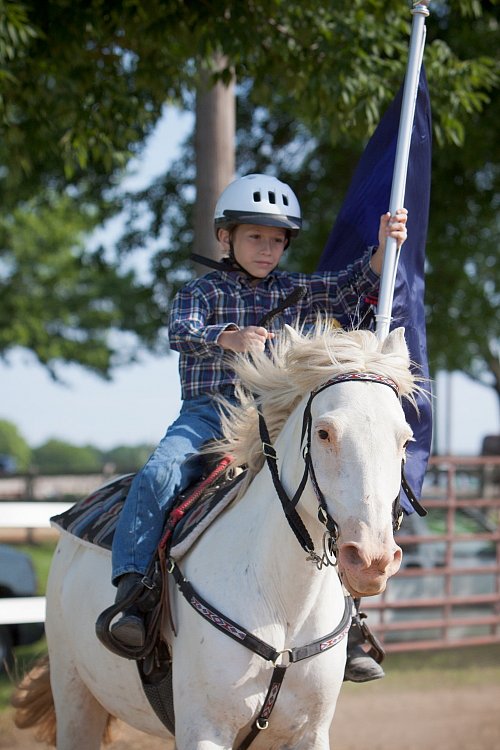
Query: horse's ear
[[395, 343]]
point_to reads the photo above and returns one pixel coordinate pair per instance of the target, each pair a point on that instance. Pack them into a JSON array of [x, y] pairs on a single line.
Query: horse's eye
[[323, 435]]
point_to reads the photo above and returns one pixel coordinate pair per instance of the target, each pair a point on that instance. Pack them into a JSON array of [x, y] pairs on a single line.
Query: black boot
[[129, 629], [361, 665]]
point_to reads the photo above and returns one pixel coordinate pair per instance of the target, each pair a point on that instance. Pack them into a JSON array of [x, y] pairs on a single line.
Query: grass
[[467, 666], [41, 555]]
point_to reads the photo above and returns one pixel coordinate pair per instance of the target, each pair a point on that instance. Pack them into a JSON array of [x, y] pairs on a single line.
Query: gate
[[447, 593]]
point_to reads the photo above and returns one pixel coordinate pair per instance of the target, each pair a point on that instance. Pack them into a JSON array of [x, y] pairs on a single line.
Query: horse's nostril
[[351, 556], [398, 555]]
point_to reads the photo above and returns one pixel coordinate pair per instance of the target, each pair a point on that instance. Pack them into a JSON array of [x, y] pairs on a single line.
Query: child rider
[[255, 218]]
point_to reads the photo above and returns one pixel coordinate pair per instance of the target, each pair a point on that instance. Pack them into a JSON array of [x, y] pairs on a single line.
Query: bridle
[[324, 517]]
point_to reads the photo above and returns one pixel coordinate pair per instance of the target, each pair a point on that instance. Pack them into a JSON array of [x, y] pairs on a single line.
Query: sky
[[142, 400]]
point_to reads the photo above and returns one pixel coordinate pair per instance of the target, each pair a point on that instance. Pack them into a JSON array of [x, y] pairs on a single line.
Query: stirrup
[[129, 630], [139, 596]]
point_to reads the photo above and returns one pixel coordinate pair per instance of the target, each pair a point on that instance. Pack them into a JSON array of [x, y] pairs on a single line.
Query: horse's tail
[[34, 704]]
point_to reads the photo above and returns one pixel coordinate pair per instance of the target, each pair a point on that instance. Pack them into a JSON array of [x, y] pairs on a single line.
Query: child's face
[[258, 249]]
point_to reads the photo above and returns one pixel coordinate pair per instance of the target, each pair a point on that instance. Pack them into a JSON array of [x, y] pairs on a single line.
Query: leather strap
[[411, 495], [295, 521], [247, 639], [262, 720]]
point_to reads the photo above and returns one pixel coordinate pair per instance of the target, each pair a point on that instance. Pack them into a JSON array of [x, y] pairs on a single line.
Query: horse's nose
[[385, 559]]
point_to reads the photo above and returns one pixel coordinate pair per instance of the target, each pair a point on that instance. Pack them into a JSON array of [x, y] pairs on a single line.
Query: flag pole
[[383, 315]]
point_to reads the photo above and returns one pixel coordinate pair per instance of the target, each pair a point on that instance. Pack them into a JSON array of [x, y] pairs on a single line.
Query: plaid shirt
[[207, 306]]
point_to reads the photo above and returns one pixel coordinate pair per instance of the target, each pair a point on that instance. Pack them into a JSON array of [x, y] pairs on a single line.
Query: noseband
[[289, 505]]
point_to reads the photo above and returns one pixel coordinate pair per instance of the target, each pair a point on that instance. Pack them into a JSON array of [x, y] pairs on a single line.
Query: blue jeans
[[170, 469]]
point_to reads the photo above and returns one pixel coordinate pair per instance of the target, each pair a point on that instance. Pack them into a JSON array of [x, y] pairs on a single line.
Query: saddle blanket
[[93, 519]]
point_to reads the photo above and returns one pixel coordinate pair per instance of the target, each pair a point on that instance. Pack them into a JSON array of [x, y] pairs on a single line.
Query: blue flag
[[356, 227]]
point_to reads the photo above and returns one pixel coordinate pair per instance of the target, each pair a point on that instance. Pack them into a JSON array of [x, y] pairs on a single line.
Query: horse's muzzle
[[365, 573]]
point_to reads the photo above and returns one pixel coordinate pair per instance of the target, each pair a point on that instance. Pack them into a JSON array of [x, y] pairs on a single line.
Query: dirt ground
[[378, 716]]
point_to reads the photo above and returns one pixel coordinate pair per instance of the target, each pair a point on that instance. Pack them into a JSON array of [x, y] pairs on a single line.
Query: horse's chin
[[358, 587]]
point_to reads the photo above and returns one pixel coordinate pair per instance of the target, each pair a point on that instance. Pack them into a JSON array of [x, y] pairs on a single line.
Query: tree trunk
[[215, 136]]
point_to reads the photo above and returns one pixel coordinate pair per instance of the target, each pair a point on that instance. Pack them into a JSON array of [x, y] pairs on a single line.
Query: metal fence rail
[[449, 595]]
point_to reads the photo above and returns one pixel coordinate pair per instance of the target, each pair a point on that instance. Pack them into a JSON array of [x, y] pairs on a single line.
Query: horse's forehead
[[362, 398]]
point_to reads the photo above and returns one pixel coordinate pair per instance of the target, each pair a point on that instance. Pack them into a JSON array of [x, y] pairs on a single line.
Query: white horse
[[249, 566]]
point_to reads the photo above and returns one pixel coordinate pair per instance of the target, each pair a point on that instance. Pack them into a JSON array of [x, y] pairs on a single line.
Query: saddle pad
[[202, 514], [93, 519]]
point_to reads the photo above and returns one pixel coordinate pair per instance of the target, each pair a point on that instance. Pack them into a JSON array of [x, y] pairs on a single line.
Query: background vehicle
[[17, 578], [8, 464]]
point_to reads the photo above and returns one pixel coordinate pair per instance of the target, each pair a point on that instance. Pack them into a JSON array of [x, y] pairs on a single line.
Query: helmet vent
[[285, 200], [272, 197], [256, 197]]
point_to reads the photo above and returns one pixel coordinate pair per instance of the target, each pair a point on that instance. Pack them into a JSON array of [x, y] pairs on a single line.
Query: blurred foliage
[[464, 235], [127, 458], [57, 456], [463, 238], [60, 300], [83, 84], [13, 444]]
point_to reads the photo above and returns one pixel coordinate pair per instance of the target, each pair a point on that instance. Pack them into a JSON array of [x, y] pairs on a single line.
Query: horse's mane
[[299, 363]]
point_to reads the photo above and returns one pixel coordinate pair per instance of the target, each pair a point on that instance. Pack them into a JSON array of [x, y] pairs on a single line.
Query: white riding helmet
[[258, 199]]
